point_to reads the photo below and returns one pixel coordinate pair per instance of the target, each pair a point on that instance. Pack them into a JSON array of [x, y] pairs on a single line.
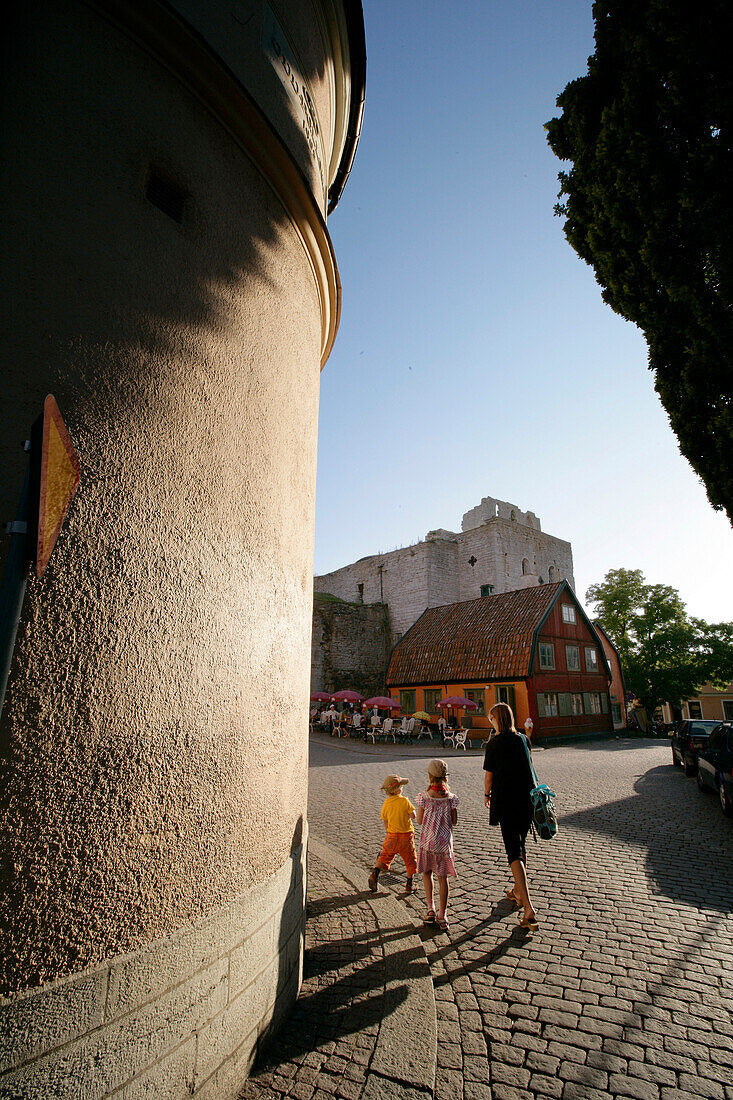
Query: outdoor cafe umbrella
[[320, 697], [347, 696], [457, 701], [381, 702], [421, 715]]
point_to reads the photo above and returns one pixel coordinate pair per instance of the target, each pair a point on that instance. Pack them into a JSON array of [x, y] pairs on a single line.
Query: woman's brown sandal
[[429, 917]]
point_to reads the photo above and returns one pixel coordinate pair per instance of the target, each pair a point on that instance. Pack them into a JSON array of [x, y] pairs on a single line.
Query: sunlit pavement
[[626, 990]]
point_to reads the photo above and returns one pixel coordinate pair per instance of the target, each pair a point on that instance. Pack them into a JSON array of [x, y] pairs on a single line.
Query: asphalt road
[[626, 990]]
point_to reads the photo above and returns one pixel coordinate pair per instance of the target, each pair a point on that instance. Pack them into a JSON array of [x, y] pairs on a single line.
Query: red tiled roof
[[485, 639]]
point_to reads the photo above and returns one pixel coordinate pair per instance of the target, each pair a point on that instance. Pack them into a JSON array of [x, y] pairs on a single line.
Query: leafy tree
[[666, 655], [647, 203]]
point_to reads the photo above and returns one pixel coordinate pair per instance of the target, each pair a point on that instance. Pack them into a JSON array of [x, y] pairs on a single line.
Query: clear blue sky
[[475, 356]]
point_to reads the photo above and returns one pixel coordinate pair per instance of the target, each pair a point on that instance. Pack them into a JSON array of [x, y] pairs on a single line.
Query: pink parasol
[[347, 696], [382, 702], [457, 701], [320, 697]]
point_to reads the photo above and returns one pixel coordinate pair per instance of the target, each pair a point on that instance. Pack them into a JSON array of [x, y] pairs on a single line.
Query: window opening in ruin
[[360, 587], [525, 566], [506, 564], [487, 590]]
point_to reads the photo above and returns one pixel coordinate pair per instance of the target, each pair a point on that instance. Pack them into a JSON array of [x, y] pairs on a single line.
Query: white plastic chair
[[388, 731], [376, 729], [424, 731]]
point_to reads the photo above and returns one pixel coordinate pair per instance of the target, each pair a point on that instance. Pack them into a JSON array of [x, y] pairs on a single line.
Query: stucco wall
[[154, 734], [351, 645]]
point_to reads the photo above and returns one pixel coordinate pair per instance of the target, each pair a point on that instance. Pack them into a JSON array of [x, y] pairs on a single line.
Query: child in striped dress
[[436, 814]]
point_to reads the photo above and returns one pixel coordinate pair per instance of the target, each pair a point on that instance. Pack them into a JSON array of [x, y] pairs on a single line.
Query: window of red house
[[572, 656], [547, 655], [568, 613], [591, 659]]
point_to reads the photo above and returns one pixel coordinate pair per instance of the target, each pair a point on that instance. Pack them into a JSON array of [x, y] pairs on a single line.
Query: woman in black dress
[[507, 783]]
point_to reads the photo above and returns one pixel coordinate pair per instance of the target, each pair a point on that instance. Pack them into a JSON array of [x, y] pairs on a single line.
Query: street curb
[[405, 1055]]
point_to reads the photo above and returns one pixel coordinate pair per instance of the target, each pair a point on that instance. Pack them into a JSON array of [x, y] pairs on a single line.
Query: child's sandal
[[442, 924], [429, 917]]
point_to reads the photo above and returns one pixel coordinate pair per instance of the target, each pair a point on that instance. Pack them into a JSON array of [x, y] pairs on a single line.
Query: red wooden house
[[534, 648]]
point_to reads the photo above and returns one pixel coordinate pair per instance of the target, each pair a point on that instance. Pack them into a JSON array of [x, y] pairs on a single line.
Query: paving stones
[[625, 990]]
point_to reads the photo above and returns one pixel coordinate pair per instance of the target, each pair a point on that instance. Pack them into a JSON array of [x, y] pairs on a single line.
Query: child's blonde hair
[[438, 769]]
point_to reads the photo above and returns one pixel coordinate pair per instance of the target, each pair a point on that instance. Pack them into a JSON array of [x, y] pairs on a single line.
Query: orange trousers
[[398, 844]]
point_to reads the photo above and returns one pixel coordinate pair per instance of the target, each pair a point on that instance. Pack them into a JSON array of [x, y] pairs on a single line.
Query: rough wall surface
[[182, 1017], [491, 549], [351, 645], [166, 620]]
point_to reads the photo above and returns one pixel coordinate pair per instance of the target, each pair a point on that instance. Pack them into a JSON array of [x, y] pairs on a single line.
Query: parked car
[[688, 739], [715, 766]]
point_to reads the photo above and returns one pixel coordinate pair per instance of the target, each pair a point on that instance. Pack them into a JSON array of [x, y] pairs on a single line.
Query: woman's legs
[[521, 890]]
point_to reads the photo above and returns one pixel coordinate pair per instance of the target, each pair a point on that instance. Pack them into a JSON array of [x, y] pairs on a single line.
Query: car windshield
[[703, 729]]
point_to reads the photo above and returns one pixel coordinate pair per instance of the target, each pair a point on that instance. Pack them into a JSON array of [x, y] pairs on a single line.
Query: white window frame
[[694, 717], [576, 709], [551, 647], [568, 613], [591, 666], [595, 702], [728, 717], [576, 648], [550, 710]]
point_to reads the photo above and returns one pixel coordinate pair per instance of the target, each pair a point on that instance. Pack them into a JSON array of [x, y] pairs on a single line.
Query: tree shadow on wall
[[689, 844]]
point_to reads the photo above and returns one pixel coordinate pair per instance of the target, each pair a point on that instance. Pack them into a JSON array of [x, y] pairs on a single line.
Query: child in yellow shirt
[[397, 815]]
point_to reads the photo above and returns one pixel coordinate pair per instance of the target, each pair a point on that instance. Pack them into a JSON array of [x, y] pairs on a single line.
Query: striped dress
[[436, 834]]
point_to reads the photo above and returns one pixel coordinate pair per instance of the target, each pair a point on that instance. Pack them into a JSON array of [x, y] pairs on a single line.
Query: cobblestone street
[[625, 989]]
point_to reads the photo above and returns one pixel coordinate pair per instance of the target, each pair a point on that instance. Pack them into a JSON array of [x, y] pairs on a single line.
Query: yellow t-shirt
[[396, 814]]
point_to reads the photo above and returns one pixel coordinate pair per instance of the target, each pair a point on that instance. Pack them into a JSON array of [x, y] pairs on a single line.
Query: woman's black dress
[[511, 807]]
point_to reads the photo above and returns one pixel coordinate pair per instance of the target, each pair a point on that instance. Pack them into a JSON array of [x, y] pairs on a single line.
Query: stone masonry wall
[[351, 645], [183, 1017], [499, 547]]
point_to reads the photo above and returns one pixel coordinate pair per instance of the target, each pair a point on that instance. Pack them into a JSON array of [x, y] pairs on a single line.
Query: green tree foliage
[[647, 203], [666, 655]]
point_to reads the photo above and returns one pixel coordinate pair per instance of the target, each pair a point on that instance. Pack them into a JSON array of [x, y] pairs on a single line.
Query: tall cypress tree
[[648, 203]]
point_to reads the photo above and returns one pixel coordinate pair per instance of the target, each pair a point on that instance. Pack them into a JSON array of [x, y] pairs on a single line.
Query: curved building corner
[[170, 279]]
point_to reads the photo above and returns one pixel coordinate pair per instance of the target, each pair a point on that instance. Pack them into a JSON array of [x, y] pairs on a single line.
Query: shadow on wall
[[689, 843], [125, 769]]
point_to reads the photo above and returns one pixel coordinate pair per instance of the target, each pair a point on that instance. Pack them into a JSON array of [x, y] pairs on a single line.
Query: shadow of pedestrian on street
[[689, 844]]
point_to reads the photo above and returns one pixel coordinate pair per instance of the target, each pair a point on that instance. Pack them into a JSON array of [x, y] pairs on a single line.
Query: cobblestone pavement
[[325, 1046], [625, 990]]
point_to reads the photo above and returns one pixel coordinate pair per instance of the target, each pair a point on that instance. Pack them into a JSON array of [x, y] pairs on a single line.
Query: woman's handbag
[[544, 818]]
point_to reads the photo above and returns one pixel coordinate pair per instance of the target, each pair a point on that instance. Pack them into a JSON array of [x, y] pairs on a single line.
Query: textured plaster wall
[[154, 733], [350, 647]]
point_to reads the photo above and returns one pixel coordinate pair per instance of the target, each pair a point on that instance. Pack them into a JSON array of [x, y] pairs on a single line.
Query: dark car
[[715, 766], [691, 736]]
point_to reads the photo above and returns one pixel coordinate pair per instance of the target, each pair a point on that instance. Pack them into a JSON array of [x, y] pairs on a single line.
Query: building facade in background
[[498, 549], [711, 703], [532, 648], [168, 170]]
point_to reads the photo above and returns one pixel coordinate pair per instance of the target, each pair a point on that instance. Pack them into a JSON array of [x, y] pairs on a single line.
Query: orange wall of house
[[480, 721]]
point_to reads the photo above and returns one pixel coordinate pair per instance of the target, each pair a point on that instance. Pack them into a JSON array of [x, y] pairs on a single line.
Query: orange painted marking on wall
[[60, 475]]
